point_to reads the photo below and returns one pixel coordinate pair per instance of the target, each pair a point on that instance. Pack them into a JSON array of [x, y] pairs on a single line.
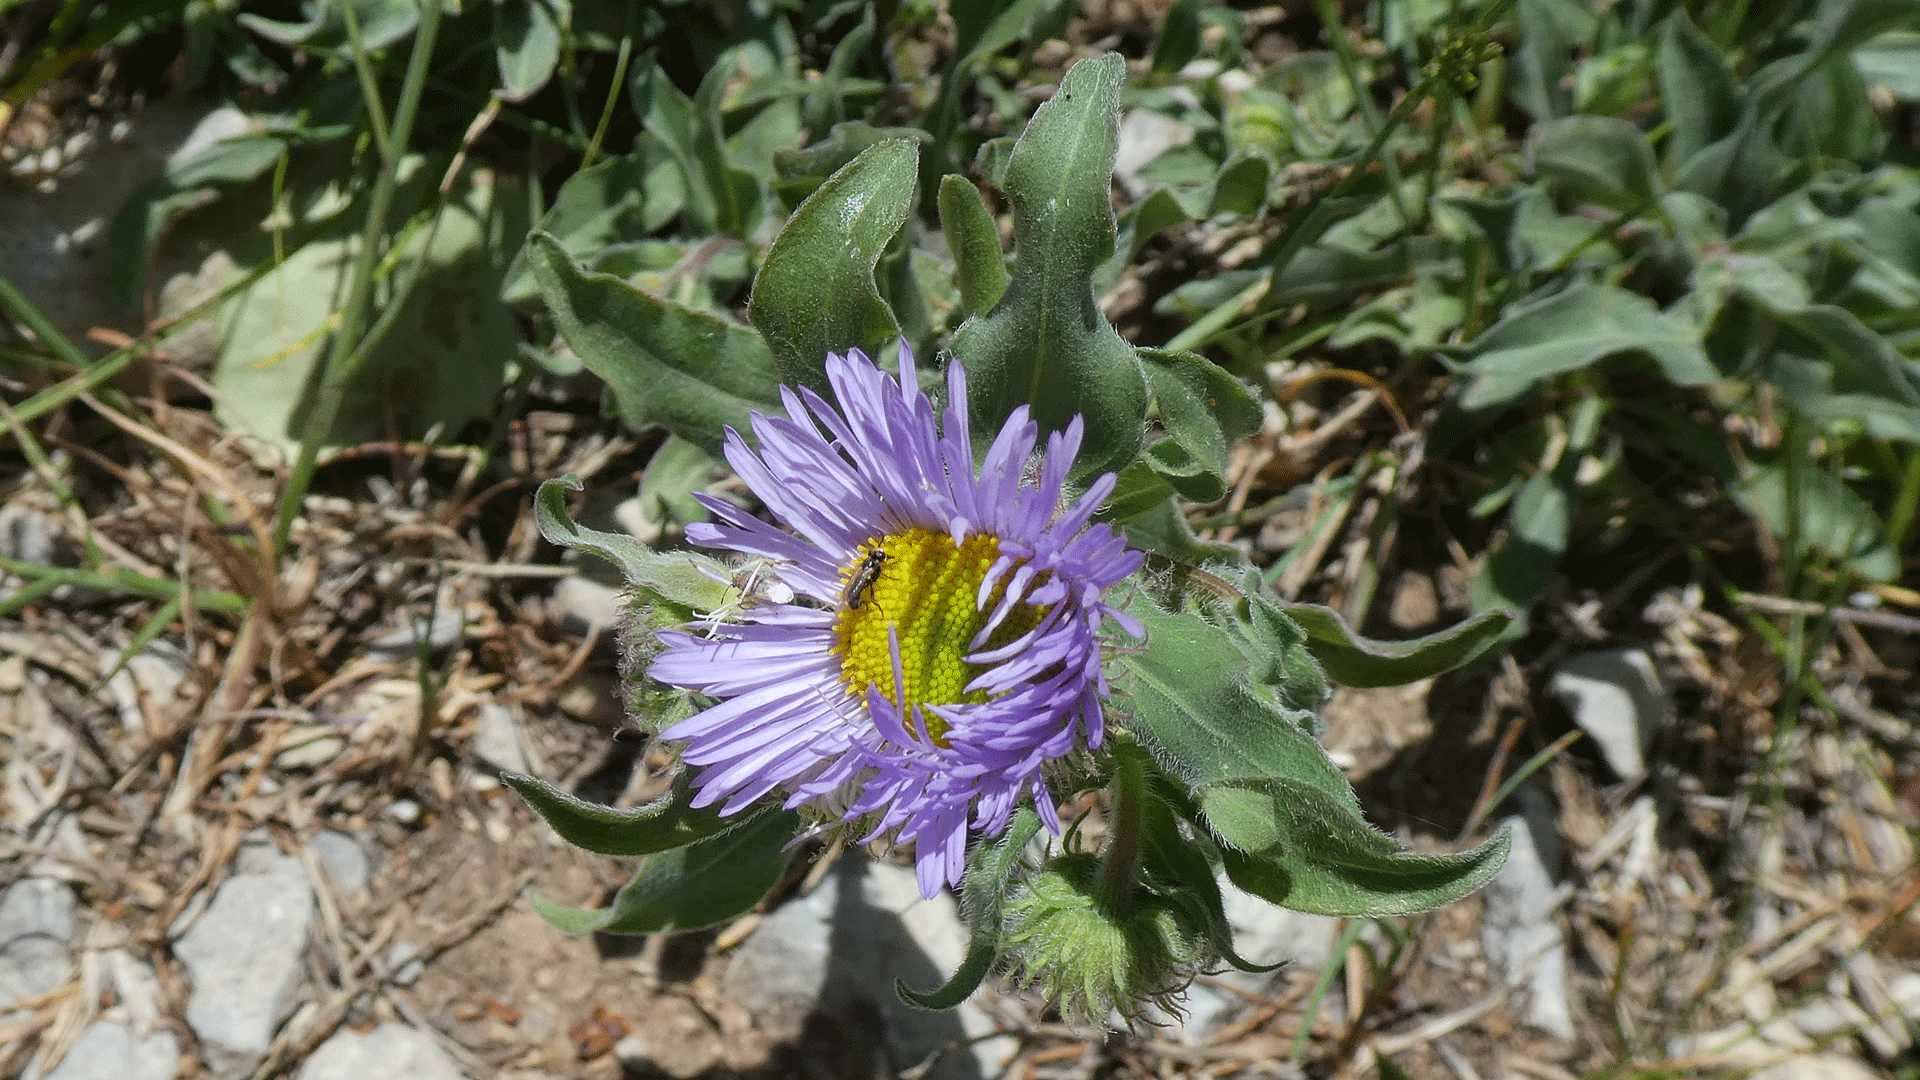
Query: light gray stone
[[581, 603], [1518, 932], [344, 859], [243, 957], [497, 739], [840, 949], [1143, 136], [388, 1052], [36, 929], [1617, 699], [1263, 933], [110, 1050]]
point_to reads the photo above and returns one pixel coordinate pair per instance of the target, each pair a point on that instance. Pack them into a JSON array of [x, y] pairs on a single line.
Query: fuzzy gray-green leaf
[[1046, 344], [816, 293]]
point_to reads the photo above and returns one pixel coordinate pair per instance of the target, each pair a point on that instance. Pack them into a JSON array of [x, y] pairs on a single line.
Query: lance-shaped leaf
[[665, 823], [1046, 344], [990, 870], [1195, 707], [1204, 408], [692, 373], [979, 269], [1353, 660], [1294, 844], [675, 578], [687, 888], [815, 293]]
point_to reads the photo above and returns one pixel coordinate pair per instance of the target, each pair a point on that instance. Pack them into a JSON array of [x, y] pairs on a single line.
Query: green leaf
[[799, 173], [692, 373], [380, 24], [611, 202], [1046, 344], [1179, 40], [1516, 572], [677, 470], [979, 268], [1602, 158], [1294, 844], [526, 45], [667, 822], [676, 578], [686, 888], [445, 346], [990, 870], [1698, 89], [1190, 701], [1352, 660], [1573, 329], [1189, 877], [197, 180], [1831, 516], [1292, 668], [816, 293], [1202, 406]]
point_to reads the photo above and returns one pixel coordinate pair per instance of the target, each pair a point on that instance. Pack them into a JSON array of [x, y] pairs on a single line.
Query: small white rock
[[342, 856], [1617, 699], [109, 1050], [244, 959], [388, 1052], [36, 928]]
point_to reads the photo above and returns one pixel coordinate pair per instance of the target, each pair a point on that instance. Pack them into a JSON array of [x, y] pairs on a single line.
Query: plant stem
[[1123, 836], [339, 369]]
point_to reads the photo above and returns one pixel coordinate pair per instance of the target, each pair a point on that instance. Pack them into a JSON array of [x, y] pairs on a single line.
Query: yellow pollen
[[923, 589]]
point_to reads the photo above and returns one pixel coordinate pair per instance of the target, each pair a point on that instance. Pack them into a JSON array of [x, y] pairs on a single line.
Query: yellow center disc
[[924, 588]]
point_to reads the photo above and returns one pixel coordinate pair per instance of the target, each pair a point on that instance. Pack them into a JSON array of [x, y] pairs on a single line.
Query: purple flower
[[943, 644]]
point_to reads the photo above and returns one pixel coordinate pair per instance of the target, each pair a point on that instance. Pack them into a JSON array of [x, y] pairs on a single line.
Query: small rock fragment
[[110, 1050], [388, 1052], [1617, 699], [497, 739], [243, 957], [36, 928], [1518, 932], [343, 858]]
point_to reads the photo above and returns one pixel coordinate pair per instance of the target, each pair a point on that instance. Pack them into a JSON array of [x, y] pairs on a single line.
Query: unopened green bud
[[1090, 954]]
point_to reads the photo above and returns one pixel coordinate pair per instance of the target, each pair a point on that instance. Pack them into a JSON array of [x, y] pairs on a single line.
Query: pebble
[[838, 951], [243, 957], [1617, 699], [388, 1052], [110, 1050], [342, 856], [1263, 933], [404, 811], [582, 603], [1518, 932], [36, 928], [497, 740]]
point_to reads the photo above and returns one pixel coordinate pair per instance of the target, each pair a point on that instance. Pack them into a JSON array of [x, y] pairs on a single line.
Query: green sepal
[[675, 578], [815, 294], [1293, 843], [687, 888], [693, 373], [666, 822], [1352, 660], [990, 870]]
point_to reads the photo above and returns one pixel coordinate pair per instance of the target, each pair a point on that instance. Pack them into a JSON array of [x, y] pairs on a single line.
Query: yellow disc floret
[[924, 587]]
